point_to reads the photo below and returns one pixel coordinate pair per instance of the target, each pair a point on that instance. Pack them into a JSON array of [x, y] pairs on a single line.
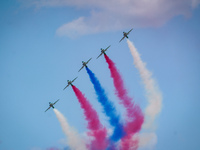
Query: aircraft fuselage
[[70, 82], [125, 35], [103, 51], [51, 105], [84, 64]]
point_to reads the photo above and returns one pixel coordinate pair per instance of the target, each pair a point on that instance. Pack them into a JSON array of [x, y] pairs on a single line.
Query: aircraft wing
[[129, 31], [74, 79], [88, 60], [99, 55], [107, 47], [48, 108], [55, 102], [66, 87], [122, 39], [81, 68]]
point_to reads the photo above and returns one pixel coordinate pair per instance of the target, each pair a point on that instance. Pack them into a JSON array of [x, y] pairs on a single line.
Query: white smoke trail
[[146, 140], [154, 96], [74, 140]]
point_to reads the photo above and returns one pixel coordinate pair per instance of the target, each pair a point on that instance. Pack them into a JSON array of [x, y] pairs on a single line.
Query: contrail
[[97, 130], [134, 114], [108, 107], [153, 93], [74, 140]]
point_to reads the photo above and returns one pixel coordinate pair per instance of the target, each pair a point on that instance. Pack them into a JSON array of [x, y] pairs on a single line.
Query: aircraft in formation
[[126, 34], [103, 51], [51, 105], [70, 83], [84, 64]]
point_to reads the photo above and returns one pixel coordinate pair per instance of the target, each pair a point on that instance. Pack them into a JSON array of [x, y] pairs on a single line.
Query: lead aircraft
[[126, 34]]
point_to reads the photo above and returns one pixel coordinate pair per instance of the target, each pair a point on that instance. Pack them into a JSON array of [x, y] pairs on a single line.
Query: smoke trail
[[96, 129], [135, 117], [147, 140], [74, 140], [154, 96], [109, 109]]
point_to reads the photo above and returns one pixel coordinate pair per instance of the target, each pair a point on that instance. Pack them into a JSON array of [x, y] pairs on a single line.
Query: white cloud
[[109, 15], [195, 3]]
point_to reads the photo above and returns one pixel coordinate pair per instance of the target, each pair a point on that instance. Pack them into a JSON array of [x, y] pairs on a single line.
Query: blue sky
[[36, 61]]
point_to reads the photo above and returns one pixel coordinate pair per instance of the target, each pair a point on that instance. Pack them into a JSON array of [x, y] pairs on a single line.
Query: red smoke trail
[[96, 128], [135, 117]]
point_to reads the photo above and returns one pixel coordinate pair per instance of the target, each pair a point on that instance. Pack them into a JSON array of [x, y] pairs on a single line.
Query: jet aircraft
[[51, 105], [70, 83], [84, 64], [103, 51], [126, 34]]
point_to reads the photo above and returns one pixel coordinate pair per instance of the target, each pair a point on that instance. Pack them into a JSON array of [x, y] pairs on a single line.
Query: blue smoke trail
[[109, 109]]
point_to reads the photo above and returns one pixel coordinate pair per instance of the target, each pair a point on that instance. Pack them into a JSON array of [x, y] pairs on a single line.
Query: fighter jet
[[70, 83], [126, 34], [51, 105], [103, 51], [84, 64]]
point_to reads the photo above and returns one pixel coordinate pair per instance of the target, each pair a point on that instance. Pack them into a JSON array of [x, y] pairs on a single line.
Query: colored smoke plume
[[74, 140], [97, 130], [134, 114], [108, 107]]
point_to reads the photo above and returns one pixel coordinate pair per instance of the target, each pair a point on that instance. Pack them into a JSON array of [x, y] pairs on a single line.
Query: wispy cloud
[[109, 15]]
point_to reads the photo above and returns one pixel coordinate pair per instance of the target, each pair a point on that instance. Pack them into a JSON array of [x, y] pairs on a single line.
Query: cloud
[[114, 15], [195, 3]]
